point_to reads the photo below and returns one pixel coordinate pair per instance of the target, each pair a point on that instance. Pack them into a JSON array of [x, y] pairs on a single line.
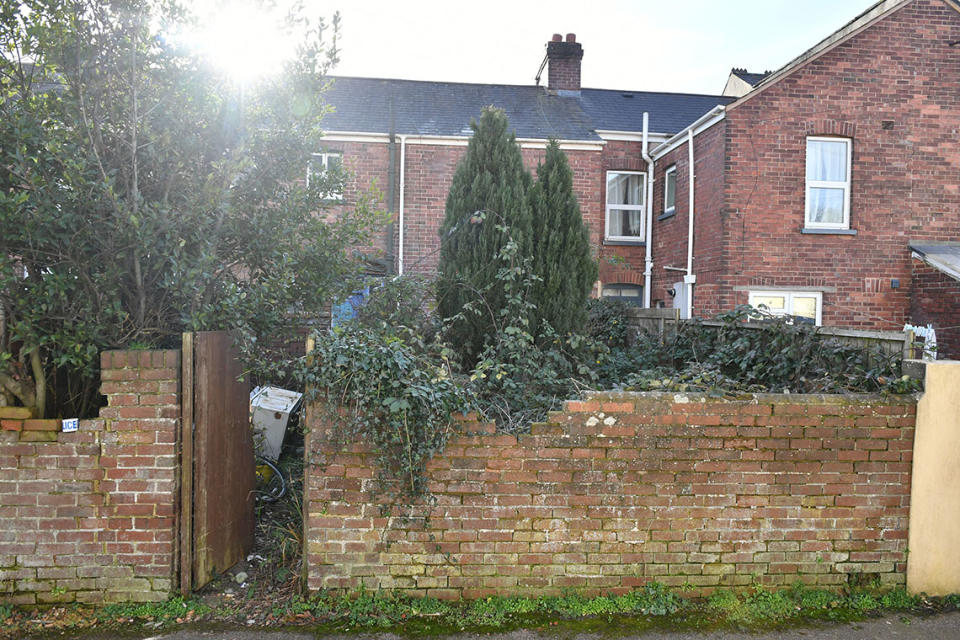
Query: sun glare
[[243, 39]]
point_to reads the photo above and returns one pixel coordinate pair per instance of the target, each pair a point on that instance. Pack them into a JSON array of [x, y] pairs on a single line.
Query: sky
[[642, 45]]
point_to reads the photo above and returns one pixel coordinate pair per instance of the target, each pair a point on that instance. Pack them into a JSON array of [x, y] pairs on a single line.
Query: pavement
[[944, 626]]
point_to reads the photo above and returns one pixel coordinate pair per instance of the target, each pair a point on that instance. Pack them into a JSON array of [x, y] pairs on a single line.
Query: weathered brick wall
[[894, 90], [935, 299], [623, 489], [88, 516]]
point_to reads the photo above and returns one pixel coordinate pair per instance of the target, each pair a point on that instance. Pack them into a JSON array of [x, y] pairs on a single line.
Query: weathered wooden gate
[[216, 460]]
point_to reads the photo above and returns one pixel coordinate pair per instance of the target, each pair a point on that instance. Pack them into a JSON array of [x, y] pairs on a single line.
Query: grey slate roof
[[943, 256], [623, 110], [445, 108], [417, 107], [753, 79]]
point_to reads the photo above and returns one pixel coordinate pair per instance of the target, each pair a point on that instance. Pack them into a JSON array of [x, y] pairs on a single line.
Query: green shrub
[[388, 388]]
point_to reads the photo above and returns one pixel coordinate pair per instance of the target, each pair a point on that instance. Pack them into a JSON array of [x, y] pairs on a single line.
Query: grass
[[653, 605]]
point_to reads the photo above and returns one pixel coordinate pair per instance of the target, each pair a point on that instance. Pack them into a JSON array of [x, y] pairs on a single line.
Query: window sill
[[829, 232], [666, 215], [623, 243]]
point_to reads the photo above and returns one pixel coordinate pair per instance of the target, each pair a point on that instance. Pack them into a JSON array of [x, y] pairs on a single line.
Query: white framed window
[[329, 165], [805, 305], [670, 191], [625, 205], [828, 183], [629, 293]]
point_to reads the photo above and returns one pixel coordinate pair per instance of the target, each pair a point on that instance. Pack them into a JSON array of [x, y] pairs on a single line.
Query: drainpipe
[[648, 269], [403, 165], [690, 279]]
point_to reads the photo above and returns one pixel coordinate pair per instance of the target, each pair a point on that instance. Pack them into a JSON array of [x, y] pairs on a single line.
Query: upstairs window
[[828, 183], [328, 167], [625, 204], [670, 191]]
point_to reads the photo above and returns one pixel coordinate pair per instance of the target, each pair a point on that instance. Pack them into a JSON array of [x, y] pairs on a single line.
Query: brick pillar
[[139, 462]]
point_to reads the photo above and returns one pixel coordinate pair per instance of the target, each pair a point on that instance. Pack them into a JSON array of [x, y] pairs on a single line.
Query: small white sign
[[71, 424]]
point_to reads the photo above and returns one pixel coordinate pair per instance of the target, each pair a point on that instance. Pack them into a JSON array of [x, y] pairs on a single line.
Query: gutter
[[648, 268], [701, 124]]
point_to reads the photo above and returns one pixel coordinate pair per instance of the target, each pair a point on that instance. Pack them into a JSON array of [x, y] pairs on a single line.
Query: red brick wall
[[935, 299], [670, 234], [88, 516], [618, 262], [895, 90], [428, 173], [623, 489]]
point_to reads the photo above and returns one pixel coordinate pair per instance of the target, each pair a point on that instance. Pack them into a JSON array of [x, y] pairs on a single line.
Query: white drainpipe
[[403, 164], [648, 269], [690, 279]]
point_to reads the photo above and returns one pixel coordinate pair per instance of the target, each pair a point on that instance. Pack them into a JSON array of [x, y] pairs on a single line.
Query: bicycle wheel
[[271, 485]]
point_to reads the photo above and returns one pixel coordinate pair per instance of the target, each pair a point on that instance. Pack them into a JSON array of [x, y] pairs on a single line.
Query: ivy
[[384, 385]]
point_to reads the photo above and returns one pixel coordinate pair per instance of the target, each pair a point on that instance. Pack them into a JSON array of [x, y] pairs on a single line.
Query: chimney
[[563, 65]]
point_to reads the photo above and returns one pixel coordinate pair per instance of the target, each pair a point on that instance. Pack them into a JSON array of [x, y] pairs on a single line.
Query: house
[[828, 189], [407, 137]]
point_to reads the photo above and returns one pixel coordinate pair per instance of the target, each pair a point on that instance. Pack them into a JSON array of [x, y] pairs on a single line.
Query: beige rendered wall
[[933, 564]]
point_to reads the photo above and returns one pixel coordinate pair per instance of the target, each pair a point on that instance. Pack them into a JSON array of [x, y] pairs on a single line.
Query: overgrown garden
[[508, 329]]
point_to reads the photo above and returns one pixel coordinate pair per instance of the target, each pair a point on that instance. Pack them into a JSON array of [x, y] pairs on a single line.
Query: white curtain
[[826, 162], [624, 189]]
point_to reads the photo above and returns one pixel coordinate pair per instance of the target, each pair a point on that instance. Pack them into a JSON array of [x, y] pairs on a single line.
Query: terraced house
[[828, 189]]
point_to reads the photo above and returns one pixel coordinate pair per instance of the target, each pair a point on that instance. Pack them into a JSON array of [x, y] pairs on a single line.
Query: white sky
[[654, 45]]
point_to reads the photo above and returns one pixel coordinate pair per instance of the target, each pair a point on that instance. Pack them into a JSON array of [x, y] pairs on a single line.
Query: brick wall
[[427, 175], [670, 233], [894, 90], [935, 299], [88, 516], [619, 262], [622, 489]]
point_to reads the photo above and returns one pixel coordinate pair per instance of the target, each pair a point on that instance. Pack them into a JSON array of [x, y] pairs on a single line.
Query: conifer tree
[[488, 193], [561, 251]]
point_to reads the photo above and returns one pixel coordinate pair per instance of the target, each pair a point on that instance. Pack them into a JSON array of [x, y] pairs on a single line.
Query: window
[[327, 166], [629, 293], [828, 183], [669, 191], [805, 305], [625, 201]]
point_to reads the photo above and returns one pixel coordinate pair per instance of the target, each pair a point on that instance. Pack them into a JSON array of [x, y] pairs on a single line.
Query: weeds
[[652, 604], [173, 610]]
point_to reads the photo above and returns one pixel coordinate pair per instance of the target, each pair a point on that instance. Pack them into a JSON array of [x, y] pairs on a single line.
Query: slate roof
[[623, 110], [416, 107], [943, 256], [753, 79]]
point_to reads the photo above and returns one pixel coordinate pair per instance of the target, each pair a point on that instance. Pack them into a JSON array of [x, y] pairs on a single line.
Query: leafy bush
[[388, 388], [521, 375], [776, 354], [607, 321]]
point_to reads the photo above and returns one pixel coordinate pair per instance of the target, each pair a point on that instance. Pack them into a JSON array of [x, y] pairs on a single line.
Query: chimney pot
[[557, 37], [571, 37]]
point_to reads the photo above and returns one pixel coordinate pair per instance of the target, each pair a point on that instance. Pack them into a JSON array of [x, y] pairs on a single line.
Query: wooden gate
[[216, 460]]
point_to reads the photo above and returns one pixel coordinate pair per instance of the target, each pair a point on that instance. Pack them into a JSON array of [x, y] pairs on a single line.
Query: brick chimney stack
[[563, 65]]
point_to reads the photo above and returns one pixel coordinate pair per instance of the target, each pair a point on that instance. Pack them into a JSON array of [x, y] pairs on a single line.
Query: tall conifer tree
[[489, 190], [561, 251]]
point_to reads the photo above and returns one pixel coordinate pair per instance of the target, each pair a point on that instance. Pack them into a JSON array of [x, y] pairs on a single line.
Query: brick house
[[406, 137], [829, 188]]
